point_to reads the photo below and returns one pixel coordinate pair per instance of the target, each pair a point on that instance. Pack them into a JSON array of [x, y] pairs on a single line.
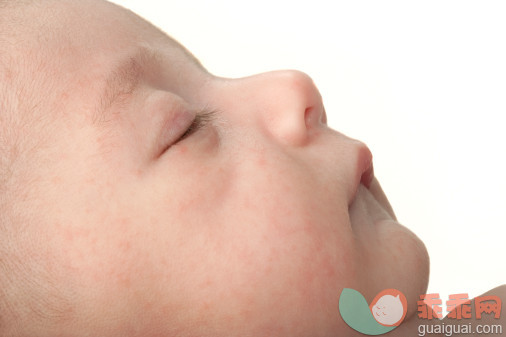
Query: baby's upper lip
[[363, 172]]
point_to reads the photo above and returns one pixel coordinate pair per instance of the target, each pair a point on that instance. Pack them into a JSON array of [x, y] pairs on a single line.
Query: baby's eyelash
[[201, 119]]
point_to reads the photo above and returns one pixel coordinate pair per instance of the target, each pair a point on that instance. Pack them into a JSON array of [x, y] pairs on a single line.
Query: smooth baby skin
[[115, 225]]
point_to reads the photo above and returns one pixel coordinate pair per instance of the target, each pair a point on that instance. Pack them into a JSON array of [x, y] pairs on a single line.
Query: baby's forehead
[[49, 61], [78, 58]]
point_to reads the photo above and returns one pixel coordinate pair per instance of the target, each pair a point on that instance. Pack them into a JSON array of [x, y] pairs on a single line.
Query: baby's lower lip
[[379, 195], [366, 209]]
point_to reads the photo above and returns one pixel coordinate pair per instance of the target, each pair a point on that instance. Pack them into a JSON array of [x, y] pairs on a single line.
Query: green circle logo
[[386, 312]]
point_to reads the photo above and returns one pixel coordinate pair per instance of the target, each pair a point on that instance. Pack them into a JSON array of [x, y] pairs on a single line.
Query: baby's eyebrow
[[122, 81]]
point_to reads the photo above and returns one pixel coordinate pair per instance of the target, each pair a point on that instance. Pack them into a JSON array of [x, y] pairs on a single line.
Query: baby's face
[[249, 225]]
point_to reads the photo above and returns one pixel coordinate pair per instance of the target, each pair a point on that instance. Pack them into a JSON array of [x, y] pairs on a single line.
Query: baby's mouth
[[367, 176], [367, 200], [363, 173]]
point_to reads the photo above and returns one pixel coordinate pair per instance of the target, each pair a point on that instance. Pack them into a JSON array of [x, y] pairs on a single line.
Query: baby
[[142, 196]]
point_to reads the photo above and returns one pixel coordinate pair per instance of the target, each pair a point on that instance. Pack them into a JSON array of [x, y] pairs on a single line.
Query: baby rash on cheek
[[234, 239], [273, 259]]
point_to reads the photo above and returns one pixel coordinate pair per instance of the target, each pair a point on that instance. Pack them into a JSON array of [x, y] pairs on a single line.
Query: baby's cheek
[[276, 275]]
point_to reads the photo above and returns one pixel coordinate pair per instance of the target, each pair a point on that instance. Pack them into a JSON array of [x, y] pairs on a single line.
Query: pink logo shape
[[389, 307]]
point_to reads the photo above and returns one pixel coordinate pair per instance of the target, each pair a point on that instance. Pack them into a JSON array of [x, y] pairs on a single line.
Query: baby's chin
[[392, 255]]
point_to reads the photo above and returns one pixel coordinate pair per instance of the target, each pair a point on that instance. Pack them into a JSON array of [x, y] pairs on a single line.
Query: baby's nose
[[290, 106]]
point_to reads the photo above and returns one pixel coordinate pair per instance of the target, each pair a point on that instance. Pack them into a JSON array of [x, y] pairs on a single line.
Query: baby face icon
[[389, 307]]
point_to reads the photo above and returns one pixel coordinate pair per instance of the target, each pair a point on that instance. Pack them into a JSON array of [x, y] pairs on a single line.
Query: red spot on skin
[[9, 76], [206, 284], [148, 306], [124, 245], [261, 161], [123, 279], [138, 172], [181, 149], [72, 234], [56, 180]]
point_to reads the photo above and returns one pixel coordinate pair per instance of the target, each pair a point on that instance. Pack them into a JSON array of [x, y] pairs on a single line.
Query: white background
[[423, 83]]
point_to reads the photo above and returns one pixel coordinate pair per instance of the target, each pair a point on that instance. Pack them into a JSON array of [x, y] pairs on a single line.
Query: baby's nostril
[[313, 116], [308, 117]]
